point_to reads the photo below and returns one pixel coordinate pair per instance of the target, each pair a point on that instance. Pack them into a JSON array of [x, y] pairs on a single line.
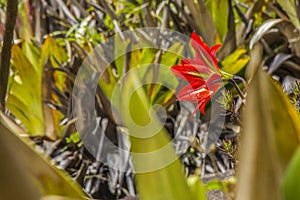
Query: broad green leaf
[[271, 136], [165, 77], [172, 55], [24, 99], [158, 170], [27, 172], [146, 66], [290, 8], [291, 181], [32, 122], [235, 62], [25, 70], [148, 56], [33, 54], [196, 187]]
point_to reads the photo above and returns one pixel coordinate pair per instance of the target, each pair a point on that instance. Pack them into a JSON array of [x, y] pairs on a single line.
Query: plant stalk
[[10, 21]]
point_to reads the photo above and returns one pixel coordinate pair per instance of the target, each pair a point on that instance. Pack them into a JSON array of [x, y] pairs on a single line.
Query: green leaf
[[25, 70], [235, 62], [196, 187], [57, 55], [165, 77], [271, 136], [27, 172], [33, 54], [24, 98], [108, 87], [52, 49], [119, 49], [215, 185], [148, 56], [290, 8], [172, 55], [219, 13], [158, 170], [291, 181], [32, 121]]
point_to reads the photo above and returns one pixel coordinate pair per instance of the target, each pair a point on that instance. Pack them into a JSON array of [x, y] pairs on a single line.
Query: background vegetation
[[43, 46]]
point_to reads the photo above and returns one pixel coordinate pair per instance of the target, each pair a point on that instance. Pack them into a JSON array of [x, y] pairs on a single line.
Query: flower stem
[[235, 77], [232, 81]]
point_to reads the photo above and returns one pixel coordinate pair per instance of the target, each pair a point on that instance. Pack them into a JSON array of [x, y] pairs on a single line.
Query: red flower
[[202, 73]]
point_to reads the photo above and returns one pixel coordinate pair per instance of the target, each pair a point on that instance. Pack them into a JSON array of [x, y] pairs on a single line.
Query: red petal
[[196, 41], [189, 72], [203, 53], [214, 50], [214, 82], [194, 92], [202, 106], [187, 61], [191, 67]]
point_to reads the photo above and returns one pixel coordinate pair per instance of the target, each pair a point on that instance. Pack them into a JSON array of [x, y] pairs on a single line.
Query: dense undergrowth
[[243, 145]]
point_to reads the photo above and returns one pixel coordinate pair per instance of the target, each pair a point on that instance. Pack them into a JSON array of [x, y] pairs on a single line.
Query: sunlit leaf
[[270, 138], [27, 172], [289, 7], [32, 53], [51, 48], [196, 187], [235, 62], [108, 88], [291, 181], [164, 77], [219, 13], [24, 99], [32, 122], [158, 171], [172, 55]]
